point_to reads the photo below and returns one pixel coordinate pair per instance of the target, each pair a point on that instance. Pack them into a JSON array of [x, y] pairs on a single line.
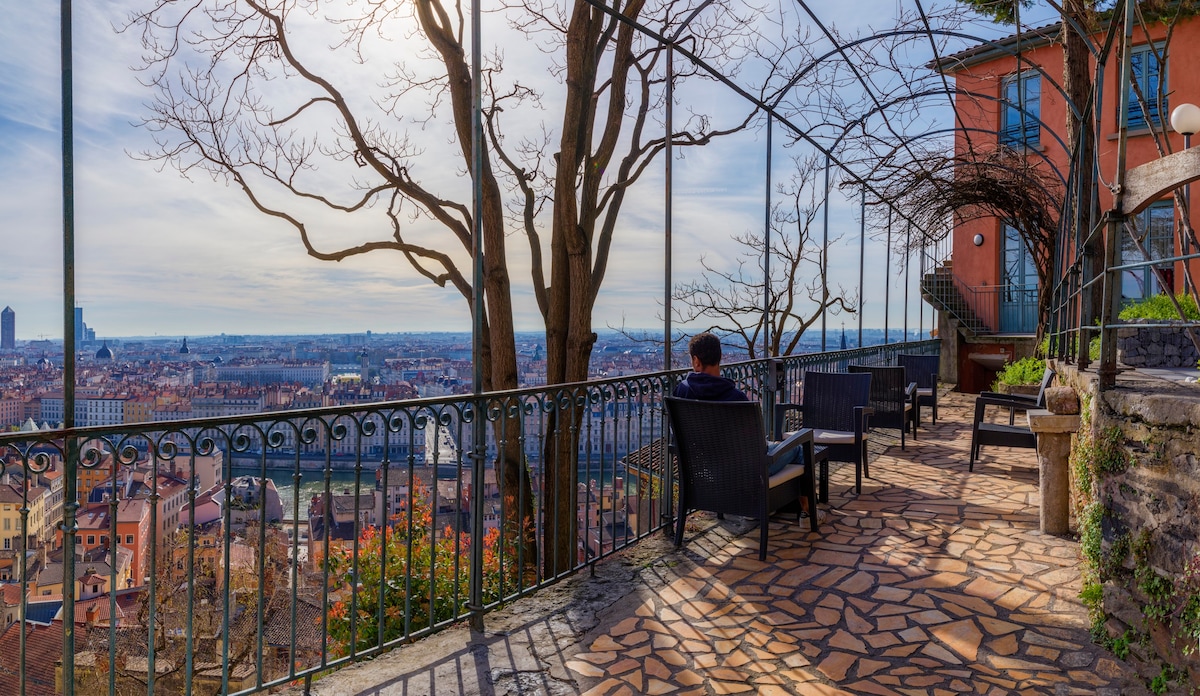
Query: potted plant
[[1023, 376]]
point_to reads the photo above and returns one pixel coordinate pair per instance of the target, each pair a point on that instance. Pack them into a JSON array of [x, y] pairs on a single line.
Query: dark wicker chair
[[723, 462], [1010, 435], [923, 370], [837, 407], [892, 397]]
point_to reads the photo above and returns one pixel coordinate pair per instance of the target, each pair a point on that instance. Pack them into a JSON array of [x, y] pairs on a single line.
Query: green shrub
[[1159, 307], [1024, 371]]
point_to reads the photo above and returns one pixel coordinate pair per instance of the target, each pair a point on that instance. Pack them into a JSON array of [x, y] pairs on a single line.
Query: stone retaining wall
[[1152, 503], [1156, 347]]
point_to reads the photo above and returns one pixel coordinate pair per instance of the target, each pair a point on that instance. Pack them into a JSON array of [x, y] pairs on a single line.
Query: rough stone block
[[1062, 400]]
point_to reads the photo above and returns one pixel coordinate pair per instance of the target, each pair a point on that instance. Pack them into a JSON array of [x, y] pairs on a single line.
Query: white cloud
[[156, 253]]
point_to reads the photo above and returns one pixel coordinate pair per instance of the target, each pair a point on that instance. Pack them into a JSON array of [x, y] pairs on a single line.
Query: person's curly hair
[[706, 347]]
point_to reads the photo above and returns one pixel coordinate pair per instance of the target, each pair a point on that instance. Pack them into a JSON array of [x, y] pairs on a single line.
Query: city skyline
[[160, 254], [833, 332]]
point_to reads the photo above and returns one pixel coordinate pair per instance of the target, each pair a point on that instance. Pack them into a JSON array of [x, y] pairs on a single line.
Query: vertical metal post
[[862, 255], [668, 194], [1185, 246], [1107, 374], [71, 462], [907, 276], [922, 266], [825, 255], [887, 280], [766, 350], [478, 422], [768, 392]]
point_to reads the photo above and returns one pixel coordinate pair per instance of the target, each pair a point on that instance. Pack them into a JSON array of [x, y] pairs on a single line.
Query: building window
[[1021, 110], [1155, 226], [1149, 74], [91, 540]]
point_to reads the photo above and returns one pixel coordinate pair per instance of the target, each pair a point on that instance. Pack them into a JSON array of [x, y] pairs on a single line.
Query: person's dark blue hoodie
[[705, 387]]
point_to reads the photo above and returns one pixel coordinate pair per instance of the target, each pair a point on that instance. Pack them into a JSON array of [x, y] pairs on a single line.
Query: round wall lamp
[[978, 240]]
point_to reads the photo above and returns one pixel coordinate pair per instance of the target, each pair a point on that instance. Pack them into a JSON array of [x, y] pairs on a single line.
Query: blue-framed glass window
[[1149, 71], [1156, 227], [1021, 110]]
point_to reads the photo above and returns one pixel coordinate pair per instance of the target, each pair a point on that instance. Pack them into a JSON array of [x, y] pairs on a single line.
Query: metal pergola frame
[[1069, 318]]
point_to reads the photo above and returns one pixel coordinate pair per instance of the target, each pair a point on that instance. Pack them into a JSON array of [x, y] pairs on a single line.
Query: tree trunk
[[1081, 138], [498, 353]]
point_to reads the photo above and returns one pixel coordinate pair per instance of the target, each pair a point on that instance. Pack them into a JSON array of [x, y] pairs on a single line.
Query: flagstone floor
[[934, 580]]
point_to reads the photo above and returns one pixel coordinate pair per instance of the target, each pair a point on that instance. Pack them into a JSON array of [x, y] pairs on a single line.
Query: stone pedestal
[[1054, 448]]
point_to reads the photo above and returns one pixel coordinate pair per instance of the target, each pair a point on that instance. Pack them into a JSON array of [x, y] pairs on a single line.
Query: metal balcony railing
[[241, 553]]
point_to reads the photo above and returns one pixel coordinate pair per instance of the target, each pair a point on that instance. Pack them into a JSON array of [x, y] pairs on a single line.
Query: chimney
[[92, 614]]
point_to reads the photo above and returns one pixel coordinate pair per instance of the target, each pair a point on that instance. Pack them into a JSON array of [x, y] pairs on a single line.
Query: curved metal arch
[[943, 131], [739, 90], [841, 50], [917, 32], [934, 92]]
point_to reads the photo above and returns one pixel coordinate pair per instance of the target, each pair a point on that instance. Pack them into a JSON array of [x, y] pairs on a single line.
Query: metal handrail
[[234, 599]]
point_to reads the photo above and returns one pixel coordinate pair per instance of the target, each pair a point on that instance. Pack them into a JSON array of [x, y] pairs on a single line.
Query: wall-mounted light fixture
[[978, 240]]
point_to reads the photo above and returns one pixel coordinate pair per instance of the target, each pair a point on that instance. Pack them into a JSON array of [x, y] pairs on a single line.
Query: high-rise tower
[[80, 327], [8, 329]]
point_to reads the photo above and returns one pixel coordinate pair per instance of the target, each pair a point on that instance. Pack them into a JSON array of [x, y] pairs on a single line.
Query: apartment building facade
[[1009, 95]]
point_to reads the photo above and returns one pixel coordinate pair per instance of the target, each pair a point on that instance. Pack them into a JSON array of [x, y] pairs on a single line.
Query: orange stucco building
[[1003, 101]]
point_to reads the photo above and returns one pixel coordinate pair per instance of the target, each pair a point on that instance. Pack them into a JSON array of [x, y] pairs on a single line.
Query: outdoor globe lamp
[[1185, 119]]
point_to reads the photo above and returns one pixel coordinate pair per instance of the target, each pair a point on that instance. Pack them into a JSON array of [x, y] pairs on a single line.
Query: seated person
[[705, 383]]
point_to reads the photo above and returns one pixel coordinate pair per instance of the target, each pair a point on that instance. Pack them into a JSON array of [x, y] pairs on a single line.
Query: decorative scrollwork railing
[[247, 552]]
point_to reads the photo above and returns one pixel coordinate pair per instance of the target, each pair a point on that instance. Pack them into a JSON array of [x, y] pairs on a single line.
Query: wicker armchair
[[837, 407], [1010, 435], [923, 370], [724, 460], [892, 397]]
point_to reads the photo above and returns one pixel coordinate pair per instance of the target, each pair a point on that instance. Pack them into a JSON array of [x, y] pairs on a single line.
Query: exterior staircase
[[941, 289]]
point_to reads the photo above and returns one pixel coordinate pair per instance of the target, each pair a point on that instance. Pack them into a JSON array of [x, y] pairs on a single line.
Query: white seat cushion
[[927, 391], [833, 437], [786, 474]]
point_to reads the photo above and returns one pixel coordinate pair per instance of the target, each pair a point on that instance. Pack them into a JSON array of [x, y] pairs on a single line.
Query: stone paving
[[933, 581]]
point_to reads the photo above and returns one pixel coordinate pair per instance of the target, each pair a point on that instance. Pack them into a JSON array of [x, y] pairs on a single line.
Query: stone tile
[[835, 666], [585, 668], [881, 640], [845, 641], [963, 637], [982, 587]]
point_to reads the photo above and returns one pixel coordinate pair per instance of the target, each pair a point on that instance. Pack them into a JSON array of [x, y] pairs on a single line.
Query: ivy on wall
[[1097, 455]]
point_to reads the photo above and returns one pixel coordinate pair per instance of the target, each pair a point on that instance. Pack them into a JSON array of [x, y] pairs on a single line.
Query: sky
[[157, 253]]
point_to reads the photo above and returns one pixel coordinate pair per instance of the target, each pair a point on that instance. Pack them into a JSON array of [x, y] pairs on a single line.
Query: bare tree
[[249, 91], [729, 298]]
